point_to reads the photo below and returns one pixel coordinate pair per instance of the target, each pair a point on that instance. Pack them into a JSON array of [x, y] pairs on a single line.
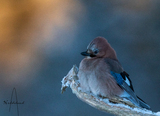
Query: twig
[[117, 106]]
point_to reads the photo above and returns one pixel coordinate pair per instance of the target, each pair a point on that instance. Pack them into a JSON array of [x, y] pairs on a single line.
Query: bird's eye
[[96, 51]]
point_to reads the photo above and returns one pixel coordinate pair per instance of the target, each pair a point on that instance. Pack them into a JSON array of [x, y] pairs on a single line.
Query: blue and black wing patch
[[118, 77], [125, 83], [126, 78], [123, 76]]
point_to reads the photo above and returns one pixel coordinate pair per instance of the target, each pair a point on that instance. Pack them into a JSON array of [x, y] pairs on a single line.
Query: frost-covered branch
[[117, 106]]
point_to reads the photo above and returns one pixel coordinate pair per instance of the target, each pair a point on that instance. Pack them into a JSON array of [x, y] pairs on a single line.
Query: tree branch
[[116, 105]]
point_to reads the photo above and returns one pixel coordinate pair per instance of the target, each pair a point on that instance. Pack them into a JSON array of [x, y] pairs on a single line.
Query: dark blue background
[[41, 41]]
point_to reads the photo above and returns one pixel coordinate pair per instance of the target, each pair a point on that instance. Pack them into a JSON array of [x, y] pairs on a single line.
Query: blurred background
[[40, 41]]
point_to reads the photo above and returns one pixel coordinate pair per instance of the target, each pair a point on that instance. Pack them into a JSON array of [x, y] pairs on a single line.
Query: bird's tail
[[143, 104], [138, 102]]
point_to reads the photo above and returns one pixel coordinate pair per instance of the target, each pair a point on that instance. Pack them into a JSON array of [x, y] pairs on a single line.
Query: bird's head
[[99, 48]]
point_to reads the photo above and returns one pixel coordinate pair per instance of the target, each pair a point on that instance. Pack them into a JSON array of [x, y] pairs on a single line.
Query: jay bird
[[101, 73]]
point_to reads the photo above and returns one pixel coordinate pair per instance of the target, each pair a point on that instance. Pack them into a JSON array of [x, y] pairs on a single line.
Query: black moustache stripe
[[92, 55]]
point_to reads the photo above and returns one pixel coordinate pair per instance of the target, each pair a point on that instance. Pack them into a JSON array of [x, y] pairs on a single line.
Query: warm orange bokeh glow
[[26, 26]]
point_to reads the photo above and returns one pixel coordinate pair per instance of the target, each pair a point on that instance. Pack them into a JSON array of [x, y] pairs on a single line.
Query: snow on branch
[[116, 106]]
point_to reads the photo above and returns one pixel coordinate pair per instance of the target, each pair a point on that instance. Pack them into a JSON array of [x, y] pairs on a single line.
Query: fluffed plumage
[[101, 73]]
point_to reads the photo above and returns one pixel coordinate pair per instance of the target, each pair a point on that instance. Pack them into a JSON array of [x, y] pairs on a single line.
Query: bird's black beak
[[85, 54]]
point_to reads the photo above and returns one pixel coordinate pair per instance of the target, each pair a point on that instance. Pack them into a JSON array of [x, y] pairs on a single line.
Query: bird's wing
[[124, 85], [126, 78], [116, 67], [129, 89], [122, 79]]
